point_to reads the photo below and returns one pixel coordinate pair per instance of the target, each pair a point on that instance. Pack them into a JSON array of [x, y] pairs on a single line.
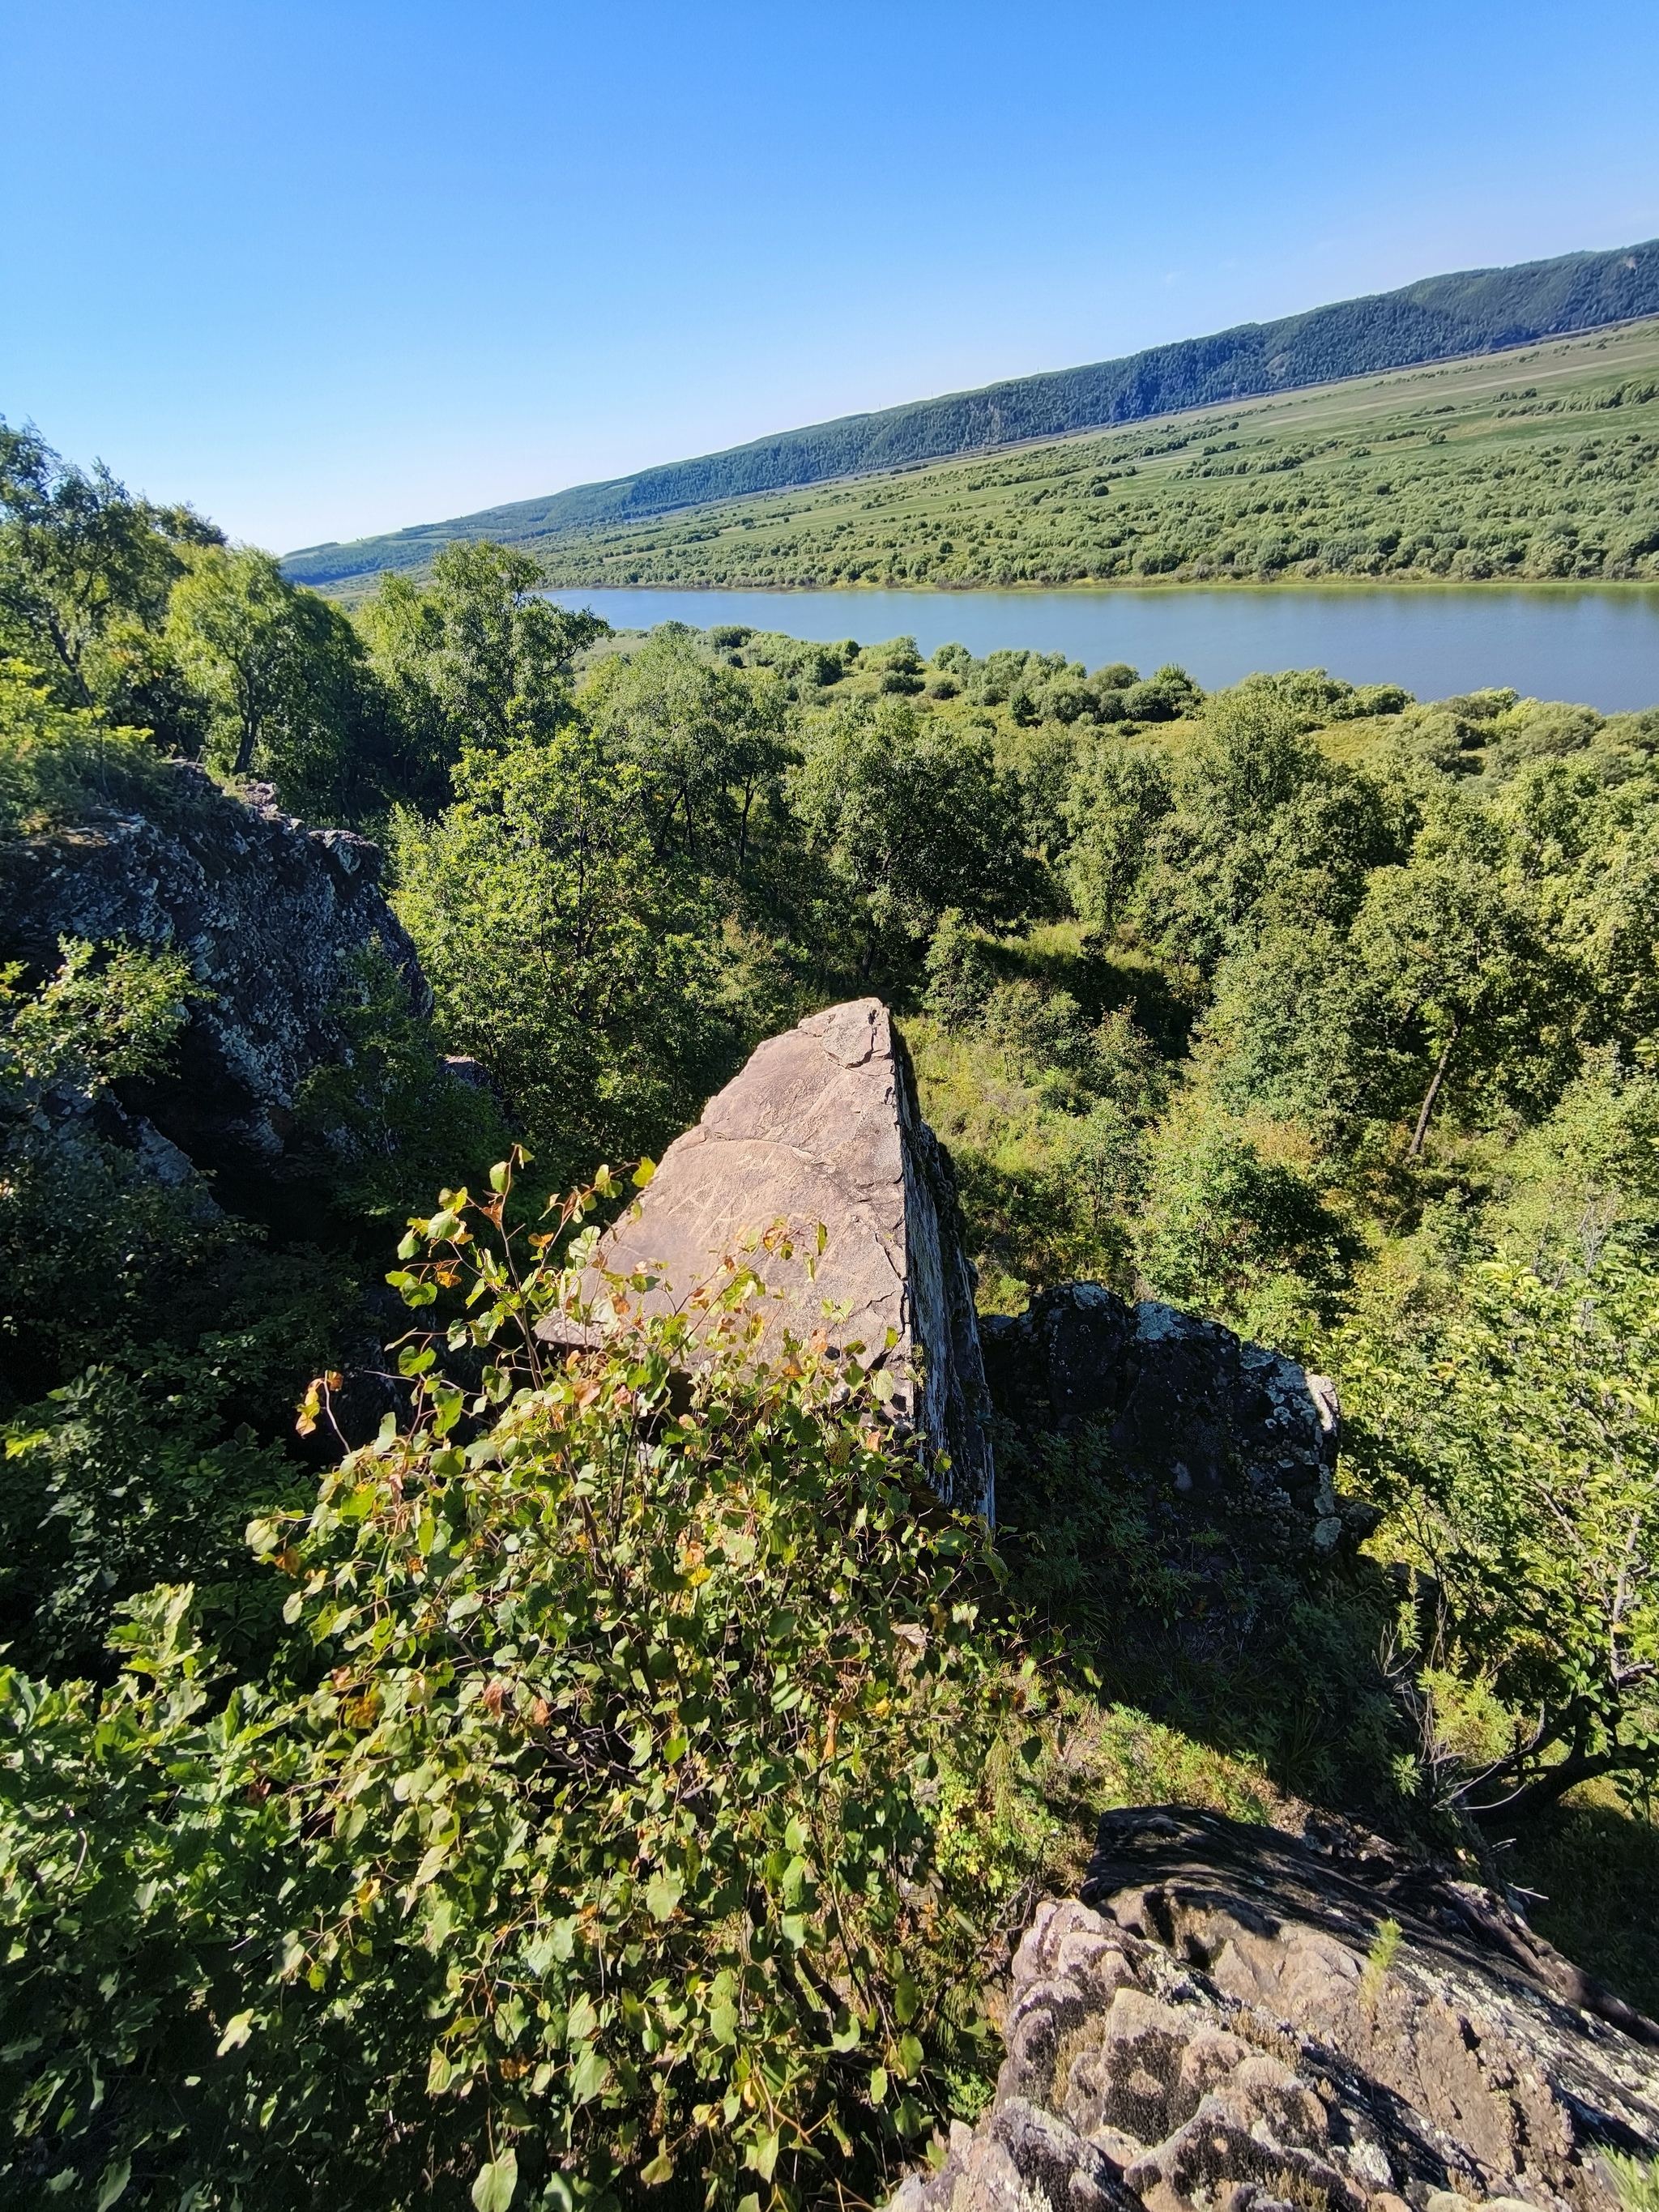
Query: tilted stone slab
[[822, 1127]]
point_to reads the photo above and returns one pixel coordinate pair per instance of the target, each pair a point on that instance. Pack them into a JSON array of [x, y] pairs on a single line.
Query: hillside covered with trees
[[1542, 466], [465, 1772], [1439, 319]]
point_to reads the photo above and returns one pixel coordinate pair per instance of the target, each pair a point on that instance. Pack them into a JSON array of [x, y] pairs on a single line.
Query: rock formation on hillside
[[1218, 1424], [822, 1127], [267, 912], [1230, 2020]]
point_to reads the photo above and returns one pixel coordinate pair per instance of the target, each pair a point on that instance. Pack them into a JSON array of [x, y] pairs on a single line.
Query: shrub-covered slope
[[1439, 318], [1543, 464]]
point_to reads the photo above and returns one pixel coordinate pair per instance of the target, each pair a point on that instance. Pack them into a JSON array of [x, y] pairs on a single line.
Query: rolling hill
[[1539, 465], [1440, 318]]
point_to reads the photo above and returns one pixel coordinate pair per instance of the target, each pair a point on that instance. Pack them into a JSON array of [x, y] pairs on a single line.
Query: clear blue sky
[[327, 267]]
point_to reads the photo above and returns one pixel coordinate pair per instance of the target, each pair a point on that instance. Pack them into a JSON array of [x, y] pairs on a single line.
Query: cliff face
[[269, 915], [822, 1127], [1229, 2020]]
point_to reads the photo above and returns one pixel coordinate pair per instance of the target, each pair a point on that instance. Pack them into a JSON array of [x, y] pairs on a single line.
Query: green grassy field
[[1541, 463]]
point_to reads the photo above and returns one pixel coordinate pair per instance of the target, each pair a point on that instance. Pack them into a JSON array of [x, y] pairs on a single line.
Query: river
[[1598, 646]]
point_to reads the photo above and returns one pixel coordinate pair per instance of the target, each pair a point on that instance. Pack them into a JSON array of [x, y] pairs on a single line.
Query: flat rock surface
[[1230, 2020], [820, 1128]]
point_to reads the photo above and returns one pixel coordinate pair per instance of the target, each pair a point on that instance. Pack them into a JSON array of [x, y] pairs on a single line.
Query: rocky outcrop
[[267, 914], [1218, 1426], [1231, 2020], [822, 1127]]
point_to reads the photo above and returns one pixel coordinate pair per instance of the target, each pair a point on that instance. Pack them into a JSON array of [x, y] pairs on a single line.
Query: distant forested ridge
[[1438, 318]]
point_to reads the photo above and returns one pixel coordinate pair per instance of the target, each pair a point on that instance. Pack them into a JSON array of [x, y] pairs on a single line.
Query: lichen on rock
[[1231, 2020], [269, 915]]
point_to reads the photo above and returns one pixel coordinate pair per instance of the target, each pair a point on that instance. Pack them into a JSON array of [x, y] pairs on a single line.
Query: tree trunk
[[1433, 1091]]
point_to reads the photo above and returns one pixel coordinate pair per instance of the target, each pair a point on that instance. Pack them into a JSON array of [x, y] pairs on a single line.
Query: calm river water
[[1601, 648]]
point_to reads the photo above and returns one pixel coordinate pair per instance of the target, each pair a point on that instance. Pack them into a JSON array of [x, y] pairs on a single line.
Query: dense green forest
[[571, 1788], [1543, 465], [1439, 319]]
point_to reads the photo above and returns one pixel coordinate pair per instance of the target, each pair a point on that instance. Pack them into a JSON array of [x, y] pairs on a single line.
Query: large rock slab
[[822, 1127], [1231, 2020], [269, 915]]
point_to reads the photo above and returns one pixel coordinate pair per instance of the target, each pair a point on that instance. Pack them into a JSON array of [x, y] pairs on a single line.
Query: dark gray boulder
[[268, 913], [1184, 1404]]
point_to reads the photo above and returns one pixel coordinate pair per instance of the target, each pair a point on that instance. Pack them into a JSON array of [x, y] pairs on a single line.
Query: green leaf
[[237, 2032], [878, 2084], [591, 2073], [663, 1895], [661, 2167], [112, 2184], [492, 2190], [643, 1173]]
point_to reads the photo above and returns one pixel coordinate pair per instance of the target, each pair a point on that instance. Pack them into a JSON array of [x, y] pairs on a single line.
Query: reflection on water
[[1600, 646]]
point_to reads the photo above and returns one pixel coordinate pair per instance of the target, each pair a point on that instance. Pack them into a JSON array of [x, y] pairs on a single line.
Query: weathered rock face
[[267, 914], [1184, 1403], [1223, 2024], [822, 1127]]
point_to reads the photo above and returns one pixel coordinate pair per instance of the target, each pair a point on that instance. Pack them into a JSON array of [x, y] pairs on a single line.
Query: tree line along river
[[1596, 646]]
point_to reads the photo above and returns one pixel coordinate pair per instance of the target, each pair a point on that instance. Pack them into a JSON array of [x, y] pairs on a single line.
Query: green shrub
[[1515, 1446], [605, 1848], [58, 764]]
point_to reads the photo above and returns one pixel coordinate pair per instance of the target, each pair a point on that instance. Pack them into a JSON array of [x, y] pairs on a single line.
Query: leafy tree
[[1229, 1233], [476, 658], [960, 977], [917, 817], [1461, 983], [283, 669], [1444, 993], [584, 975], [709, 742], [1517, 1449], [1211, 853], [82, 561], [1121, 793], [1163, 697]]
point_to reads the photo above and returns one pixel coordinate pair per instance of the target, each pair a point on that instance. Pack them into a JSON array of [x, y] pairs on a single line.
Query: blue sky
[[331, 266]]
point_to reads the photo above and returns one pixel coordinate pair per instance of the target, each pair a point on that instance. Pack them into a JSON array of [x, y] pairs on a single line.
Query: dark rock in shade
[[1184, 1403], [822, 1127], [267, 913], [1226, 2022]]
